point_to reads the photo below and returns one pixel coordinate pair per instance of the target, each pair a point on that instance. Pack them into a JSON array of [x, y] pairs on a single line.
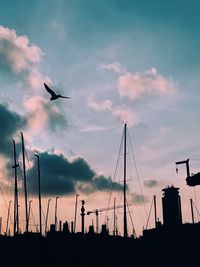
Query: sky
[[119, 61]]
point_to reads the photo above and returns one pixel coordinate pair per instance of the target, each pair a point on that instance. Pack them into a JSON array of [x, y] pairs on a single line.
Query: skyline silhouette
[[122, 63]]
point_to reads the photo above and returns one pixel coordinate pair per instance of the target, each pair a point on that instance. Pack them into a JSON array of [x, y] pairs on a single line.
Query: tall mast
[[16, 211], [125, 218], [25, 187], [39, 193]]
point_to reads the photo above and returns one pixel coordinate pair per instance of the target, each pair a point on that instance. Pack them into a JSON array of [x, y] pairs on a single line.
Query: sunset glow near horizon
[[119, 61]]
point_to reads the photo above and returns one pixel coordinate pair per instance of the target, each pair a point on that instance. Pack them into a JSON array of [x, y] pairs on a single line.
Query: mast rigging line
[[5, 203], [149, 214], [137, 173], [114, 176], [36, 227], [196, 209], [134, 232]]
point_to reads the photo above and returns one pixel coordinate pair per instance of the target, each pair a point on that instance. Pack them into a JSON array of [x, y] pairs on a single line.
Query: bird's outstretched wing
[[49, 90], [64, 96]]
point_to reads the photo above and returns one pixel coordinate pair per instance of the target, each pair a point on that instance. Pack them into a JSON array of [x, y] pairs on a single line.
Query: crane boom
[[186, 162], [105, 209], [96, 211]]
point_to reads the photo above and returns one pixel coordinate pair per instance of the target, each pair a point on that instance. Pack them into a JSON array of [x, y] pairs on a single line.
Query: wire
[[5, 203], [134, 233], [137, 173], [196, 209], [149, 214], [114, 176], [195, 197], [36, 226]]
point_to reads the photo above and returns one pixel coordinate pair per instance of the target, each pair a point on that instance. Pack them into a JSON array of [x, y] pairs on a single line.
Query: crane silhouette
[[54, 96]]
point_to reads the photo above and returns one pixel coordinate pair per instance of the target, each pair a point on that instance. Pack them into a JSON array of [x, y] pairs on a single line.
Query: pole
[[8, 216], [76, 203], [56, 207], [82, 216], [25, 187], [29, 212], [155, 210], [125, 218], [46, 221], [192, 211], [16, 212], [114, 230], [0, 224], [39, 192], [97, 221]]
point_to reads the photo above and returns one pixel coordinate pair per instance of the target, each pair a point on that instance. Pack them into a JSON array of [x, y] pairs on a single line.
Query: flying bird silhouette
[[54, 96]]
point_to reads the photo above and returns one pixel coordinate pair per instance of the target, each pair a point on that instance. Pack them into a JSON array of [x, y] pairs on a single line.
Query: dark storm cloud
[[150, 183], [59, 176], [10, 123]]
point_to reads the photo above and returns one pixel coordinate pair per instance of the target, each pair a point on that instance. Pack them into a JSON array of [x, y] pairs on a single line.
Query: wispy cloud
[[116, 67], [105, 105], [150, 183], [122, 113], [58, 29], [93, 128], [138, 199], [125, 115]]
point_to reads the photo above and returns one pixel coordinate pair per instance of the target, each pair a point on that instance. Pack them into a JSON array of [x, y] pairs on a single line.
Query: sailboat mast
[[16, 211], [125, 218], [25, 187], [39, 193]]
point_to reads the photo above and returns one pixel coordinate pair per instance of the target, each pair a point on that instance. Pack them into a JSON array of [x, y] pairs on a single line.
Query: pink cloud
[[42, 115], [149, 82], [19, 58]]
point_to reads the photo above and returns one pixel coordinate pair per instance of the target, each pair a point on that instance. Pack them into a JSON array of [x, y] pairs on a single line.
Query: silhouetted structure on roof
[[171, 203]]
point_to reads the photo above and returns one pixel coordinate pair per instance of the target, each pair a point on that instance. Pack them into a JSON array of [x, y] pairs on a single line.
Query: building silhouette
[[171, 204]]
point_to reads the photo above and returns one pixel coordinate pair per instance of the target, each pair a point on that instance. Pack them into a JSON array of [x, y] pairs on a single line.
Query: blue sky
[[136, 61]]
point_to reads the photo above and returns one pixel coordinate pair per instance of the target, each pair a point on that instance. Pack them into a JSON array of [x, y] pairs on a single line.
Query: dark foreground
[[162, 247]]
